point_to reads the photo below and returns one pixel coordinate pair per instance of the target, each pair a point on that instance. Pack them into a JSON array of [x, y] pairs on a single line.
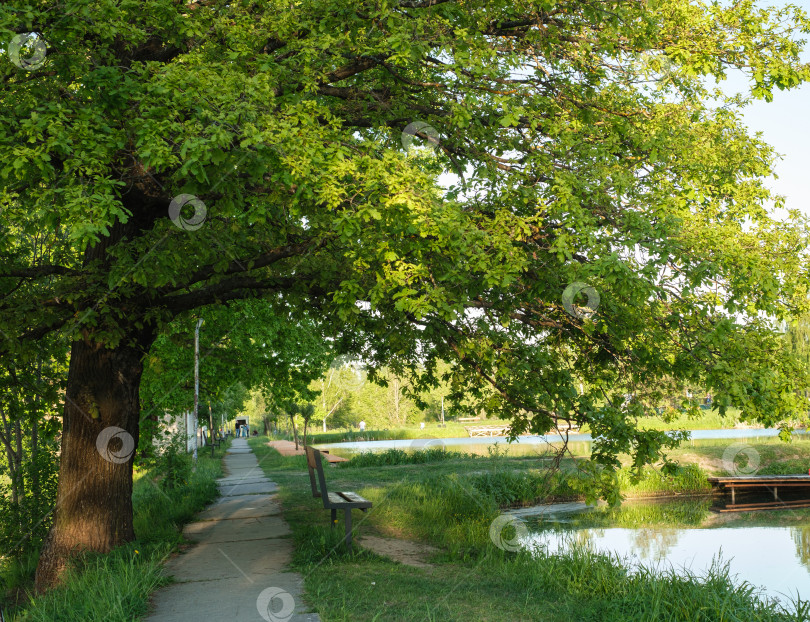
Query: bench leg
[[348, 522], [334, 518]]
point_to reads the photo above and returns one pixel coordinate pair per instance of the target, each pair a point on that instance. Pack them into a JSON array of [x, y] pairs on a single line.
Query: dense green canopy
[[173, 155]]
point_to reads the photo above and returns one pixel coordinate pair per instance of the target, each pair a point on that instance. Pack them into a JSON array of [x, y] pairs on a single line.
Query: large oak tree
[[579, 151]]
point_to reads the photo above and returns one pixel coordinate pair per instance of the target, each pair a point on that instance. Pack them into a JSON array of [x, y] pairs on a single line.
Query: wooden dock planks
[[486, 430], [769, 485]]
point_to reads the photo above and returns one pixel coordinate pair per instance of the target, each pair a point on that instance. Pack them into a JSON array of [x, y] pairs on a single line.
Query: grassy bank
[[451, 504], [451, 429], [768, 456], [708, 420], [116, 587]]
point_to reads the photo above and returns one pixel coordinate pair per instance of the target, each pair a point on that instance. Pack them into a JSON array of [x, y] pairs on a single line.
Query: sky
[[785, 124]]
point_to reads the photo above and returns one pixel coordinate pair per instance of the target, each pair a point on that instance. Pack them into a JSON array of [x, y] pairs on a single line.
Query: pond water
[[526, 445], [772, 554], [769, 550]]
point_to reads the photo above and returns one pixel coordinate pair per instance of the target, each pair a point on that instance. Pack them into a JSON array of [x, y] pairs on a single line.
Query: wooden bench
[[333, 501]]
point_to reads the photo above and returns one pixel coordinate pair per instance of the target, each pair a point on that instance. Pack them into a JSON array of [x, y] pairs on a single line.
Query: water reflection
[[801, 538], [635, 514], [654, 544], [679, 534], [652, 532], [651, 546]]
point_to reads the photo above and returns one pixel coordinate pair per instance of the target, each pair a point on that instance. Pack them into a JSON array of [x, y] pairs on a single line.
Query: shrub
[[24, 524], [173, 463], [509, 487]]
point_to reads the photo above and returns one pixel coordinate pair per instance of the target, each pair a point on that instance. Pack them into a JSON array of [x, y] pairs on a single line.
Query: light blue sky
[[785, 124]]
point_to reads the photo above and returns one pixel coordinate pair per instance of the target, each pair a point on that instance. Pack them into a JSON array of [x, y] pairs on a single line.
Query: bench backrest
[[315, 467]]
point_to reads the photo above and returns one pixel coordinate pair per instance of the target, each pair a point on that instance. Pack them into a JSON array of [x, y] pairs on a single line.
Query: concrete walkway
[[236, 569]]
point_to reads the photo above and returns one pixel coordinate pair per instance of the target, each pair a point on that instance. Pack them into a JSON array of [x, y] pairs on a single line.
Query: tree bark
[[331, 410], [396, 401], [35, 484], [295, 431], [6, 436], [99, 435]]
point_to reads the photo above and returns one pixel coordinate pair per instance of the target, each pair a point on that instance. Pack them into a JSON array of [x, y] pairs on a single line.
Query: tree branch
[[37, 271], [240, 287], [262, 261]]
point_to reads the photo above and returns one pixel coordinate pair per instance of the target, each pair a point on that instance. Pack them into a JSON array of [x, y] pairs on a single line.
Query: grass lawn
[[450, 504]]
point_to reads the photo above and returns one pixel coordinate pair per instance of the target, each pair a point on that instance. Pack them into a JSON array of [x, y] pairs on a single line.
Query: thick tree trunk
[[99, 436], [396, 401], [295, 431]]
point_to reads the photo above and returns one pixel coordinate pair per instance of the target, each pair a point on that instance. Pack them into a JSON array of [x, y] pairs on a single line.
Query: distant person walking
[[362, 426]]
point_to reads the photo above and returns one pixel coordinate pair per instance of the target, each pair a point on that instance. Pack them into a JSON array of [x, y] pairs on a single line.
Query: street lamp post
[[211, 428], [196, 381]]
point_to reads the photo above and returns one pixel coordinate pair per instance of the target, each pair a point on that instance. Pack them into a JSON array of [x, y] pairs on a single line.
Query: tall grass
[[160, 512], [451, 430], [509, 487], [392, 457], [603, 587], [453, 506], [113, 587], [707, 420], [116, 587], [688, 479], [456, 513]]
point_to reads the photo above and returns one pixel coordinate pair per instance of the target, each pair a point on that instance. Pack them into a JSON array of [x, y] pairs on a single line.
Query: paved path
[[236, 571]]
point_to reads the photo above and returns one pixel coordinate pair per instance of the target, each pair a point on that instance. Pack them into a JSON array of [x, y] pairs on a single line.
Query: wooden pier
[[486, 430], [501, 430], [772, 492]]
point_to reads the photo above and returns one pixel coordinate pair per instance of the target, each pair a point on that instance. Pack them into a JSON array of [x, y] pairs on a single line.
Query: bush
[[22, 528], [508, 487], [174, 463]]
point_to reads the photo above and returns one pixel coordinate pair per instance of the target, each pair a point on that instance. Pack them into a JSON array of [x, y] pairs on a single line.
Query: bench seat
[[343, 499], [334, 501]]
